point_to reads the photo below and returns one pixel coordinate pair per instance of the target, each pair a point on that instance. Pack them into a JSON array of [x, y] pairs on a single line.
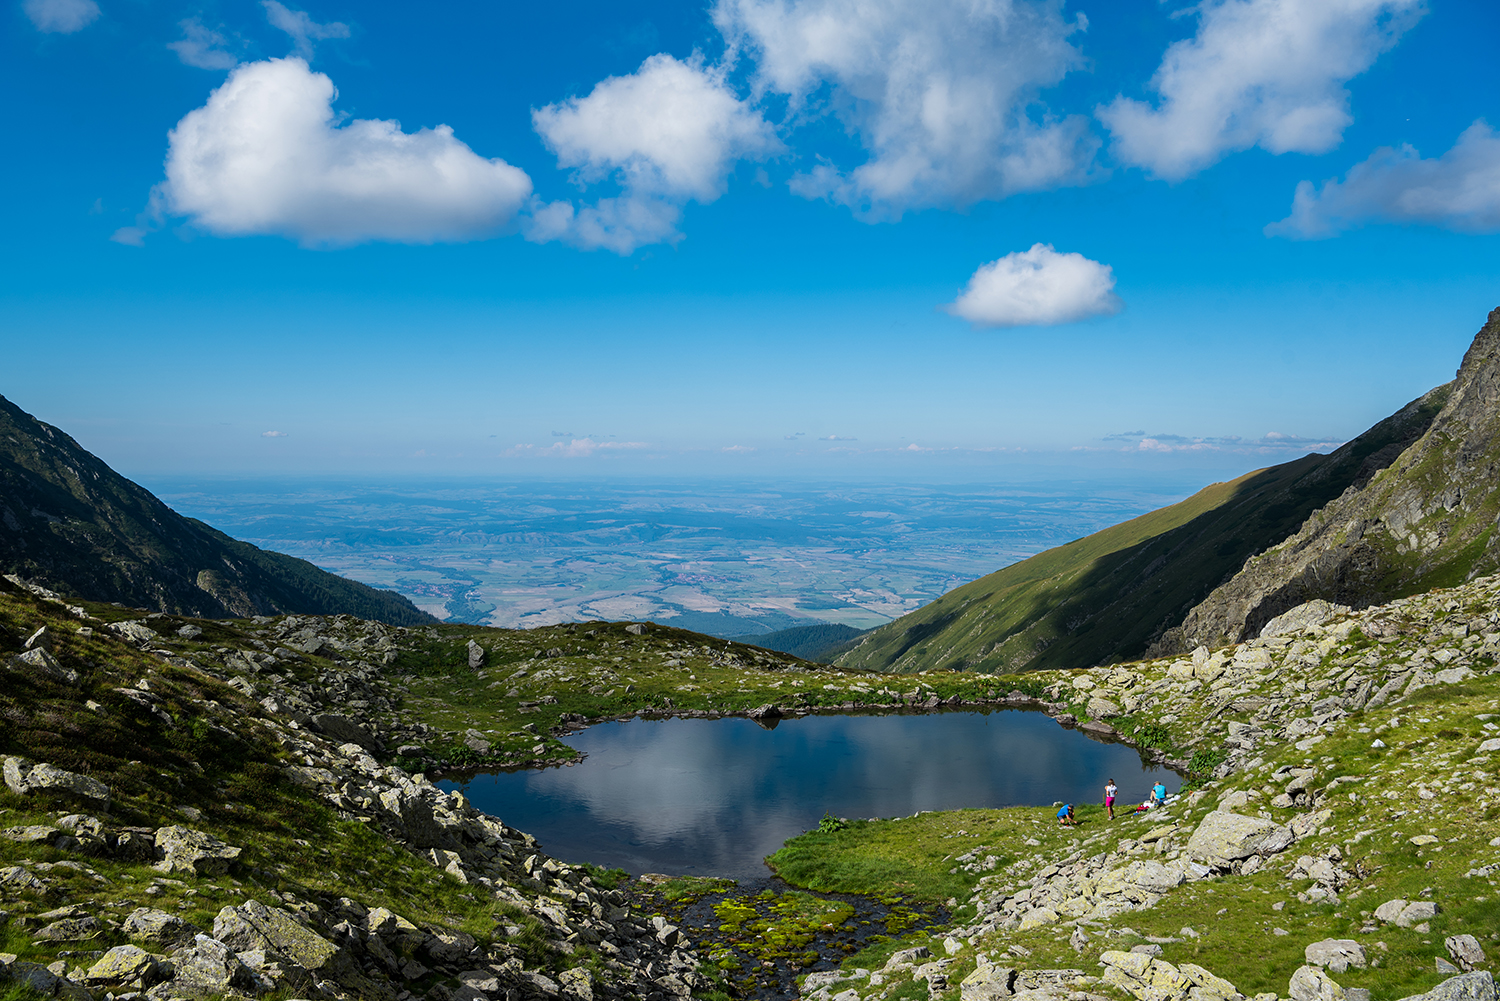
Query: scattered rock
[[40, 663], [1311, 984], [24, 777], [182, 849], [1336, 954], [1465, 951], [1225, 838]]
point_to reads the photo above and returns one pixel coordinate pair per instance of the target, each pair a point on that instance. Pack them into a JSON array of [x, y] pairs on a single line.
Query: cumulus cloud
[[1037, 288], [1458, 190], [202, 47], [668, 134], [61, 17], [939, 94], [301, 28], [268, 155], [1267, 73], [273, 434]]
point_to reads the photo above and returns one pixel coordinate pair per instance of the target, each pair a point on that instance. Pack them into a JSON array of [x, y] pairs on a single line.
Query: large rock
[[1465, 951], [22, 776], [254, 926], [182, 849], [1477, 986], [476, 655], [1305, 615], [1311, 984], [346, 730], [146, 924], [987, 983], [1225, 838], [1336, 954], [39, 663], [123, 966], [207, 968]]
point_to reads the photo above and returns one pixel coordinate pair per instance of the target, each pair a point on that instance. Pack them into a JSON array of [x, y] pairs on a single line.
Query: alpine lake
[[693, 808]]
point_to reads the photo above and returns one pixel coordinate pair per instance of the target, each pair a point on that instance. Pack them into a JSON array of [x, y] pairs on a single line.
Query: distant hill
[[1110, 596], [1427, 520], [71, 523], [818, 643]]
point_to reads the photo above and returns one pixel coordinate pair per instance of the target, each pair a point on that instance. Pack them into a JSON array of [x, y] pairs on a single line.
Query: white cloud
[[1267, 73], [202, 47], [302, 29], [273, 434], [61, 17], [938, 94], [668, 133], [266, 155], [1458, 190], [1037, 288]]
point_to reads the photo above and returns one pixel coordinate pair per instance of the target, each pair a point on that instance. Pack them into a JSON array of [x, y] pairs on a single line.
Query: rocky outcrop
[[1427, 518]]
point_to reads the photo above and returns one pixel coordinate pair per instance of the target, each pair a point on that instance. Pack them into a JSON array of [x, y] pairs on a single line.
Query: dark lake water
[[714, 797]]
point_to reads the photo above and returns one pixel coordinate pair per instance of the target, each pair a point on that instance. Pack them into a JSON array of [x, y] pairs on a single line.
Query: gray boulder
[[1476, 986], [1336, 954], [22, 776], [1304, 616], [1465, 951], [1224, 838], [254, 926], [1311, 984], [476, 655], [40, 663], [207, 968], [345, 730], [124, 966], [182, 849], [147, 924]]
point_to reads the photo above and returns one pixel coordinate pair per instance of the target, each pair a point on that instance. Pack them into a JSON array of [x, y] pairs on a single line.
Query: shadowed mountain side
[[1426, 521], [818, 642], [73, 524], [1110, 595]]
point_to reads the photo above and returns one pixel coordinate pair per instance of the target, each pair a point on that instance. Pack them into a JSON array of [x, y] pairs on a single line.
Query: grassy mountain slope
[[1428, 520], [71, 523], [1110, 595], [808, 642]]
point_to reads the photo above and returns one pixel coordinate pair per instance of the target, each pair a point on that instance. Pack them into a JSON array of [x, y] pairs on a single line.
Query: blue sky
[[753, 236]]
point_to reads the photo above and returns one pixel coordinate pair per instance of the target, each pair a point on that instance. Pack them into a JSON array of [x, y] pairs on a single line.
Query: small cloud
[[914, 447], [202, 47], [1271, 443], [737, 448], [1037, 288], [835, 437], [273, 434], [302, 29], [562, 434], [61, 17]]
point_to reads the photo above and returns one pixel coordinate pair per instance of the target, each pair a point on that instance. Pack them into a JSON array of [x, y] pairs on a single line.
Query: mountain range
[[1406, 506], [71, 523]]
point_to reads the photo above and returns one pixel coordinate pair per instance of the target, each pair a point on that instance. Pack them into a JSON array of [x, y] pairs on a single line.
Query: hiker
[[1065, 816], [1159, 793], [1109, 798]]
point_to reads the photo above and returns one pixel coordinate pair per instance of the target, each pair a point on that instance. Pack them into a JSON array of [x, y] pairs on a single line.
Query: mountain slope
[[1110, 595], [71, 523], [1428, 520], [808, 642]]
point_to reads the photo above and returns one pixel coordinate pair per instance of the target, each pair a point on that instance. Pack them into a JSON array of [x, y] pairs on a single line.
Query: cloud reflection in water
[[714, 797]]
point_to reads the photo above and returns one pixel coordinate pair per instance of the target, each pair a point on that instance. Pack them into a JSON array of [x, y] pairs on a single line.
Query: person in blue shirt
[[1160, 792], [1065, 816]]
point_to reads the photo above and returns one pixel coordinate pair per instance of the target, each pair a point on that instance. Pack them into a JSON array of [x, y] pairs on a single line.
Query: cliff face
[[73, 524], [1426, 520]]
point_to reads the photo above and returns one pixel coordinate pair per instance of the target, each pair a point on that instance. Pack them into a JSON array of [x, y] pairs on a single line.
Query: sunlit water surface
[[714, 797]]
